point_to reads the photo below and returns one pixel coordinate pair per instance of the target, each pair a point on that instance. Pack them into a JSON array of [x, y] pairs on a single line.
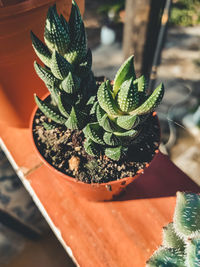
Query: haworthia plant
[[181, 238], [121, 111], [67, 69]]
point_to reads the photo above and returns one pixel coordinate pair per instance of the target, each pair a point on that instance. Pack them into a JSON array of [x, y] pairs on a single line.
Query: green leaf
[[125, 72], [110, 139], [49, 112], [91, 148], [77, 119], [45, 75], [187, 214], [192, 252], [56, 34], [78, 48], [54, 91], [128, 96], [166, 257], [71, 84], [113, 153], [130, 133], [127, 121], [106, 100], [140, 83], [94, 132], [75, 20], [94, 108], [151, 103], [85, 66], [60, 67], [50, 126], [62, 106], [171, 239], [41, 50]]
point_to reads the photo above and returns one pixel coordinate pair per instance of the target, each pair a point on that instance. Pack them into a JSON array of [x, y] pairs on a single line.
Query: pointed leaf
[[75, 20], [125, 72], [41, 50], [62, 106], [130, 133], [128, 96], [91, 148], [127, 121], [110, 139], [85, 66], [151, 103], [113, 153], [49, 112], [56, 34], [94, 132], [60, 67], [106, 100], [76, 120], [71, 84], [45, 75]]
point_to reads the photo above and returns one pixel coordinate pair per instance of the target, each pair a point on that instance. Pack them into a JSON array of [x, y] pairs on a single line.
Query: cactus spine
[[181, 239]]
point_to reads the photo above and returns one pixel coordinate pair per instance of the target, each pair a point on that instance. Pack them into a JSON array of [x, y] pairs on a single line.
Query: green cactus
[[181, 239], [67, 69], [121, 110]]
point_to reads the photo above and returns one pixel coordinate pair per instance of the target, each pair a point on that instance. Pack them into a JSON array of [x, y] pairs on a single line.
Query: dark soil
[[59, 145]]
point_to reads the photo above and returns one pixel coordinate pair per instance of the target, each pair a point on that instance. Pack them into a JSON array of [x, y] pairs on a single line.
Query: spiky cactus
[[67, 69], [181, 239], [121, 110]]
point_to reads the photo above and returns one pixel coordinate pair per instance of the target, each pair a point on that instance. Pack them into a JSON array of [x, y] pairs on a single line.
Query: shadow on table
[[161, 179]]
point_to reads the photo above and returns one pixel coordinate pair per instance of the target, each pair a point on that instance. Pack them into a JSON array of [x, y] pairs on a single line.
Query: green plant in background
[[121, 111], [67, 71], [181, 239], [185, 13]]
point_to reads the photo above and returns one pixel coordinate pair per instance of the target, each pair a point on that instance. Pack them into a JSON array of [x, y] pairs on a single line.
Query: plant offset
[[181, 238], [106, 129], [121, 110], [67, 71]]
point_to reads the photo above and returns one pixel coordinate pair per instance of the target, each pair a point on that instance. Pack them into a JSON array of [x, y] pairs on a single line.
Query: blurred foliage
[[185, 13], [112, 8]]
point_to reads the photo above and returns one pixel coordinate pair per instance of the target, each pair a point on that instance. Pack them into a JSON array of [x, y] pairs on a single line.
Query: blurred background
[[164, 36]]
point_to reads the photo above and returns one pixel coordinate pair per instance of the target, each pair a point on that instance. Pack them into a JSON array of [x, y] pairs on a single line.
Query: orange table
[[117, 233]]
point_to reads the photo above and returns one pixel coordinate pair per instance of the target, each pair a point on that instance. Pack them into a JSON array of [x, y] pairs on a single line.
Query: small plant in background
[[67, 71], [181, 238], [121, 111], [185, 13]]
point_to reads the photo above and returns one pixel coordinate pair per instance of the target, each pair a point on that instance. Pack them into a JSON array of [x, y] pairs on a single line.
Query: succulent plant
[[121, 111], [67, 69], [181, 238]]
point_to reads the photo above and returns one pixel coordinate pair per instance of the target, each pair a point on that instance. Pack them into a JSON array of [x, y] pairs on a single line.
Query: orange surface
[[117, 233]]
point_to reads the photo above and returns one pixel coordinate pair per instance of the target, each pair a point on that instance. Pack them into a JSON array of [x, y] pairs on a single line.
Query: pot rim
[[23, 7], [70, 178]]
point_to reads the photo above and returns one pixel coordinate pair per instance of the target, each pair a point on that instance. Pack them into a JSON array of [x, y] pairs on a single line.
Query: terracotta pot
[[94, 191], [17, 76]]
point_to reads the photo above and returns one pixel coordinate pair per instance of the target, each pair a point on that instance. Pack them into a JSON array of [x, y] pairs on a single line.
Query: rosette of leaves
[[181, 238], [67, 69], [121, 111]]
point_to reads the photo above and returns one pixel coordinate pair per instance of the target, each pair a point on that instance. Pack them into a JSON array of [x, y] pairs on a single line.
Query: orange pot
[[17, 75], [94, 191]]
